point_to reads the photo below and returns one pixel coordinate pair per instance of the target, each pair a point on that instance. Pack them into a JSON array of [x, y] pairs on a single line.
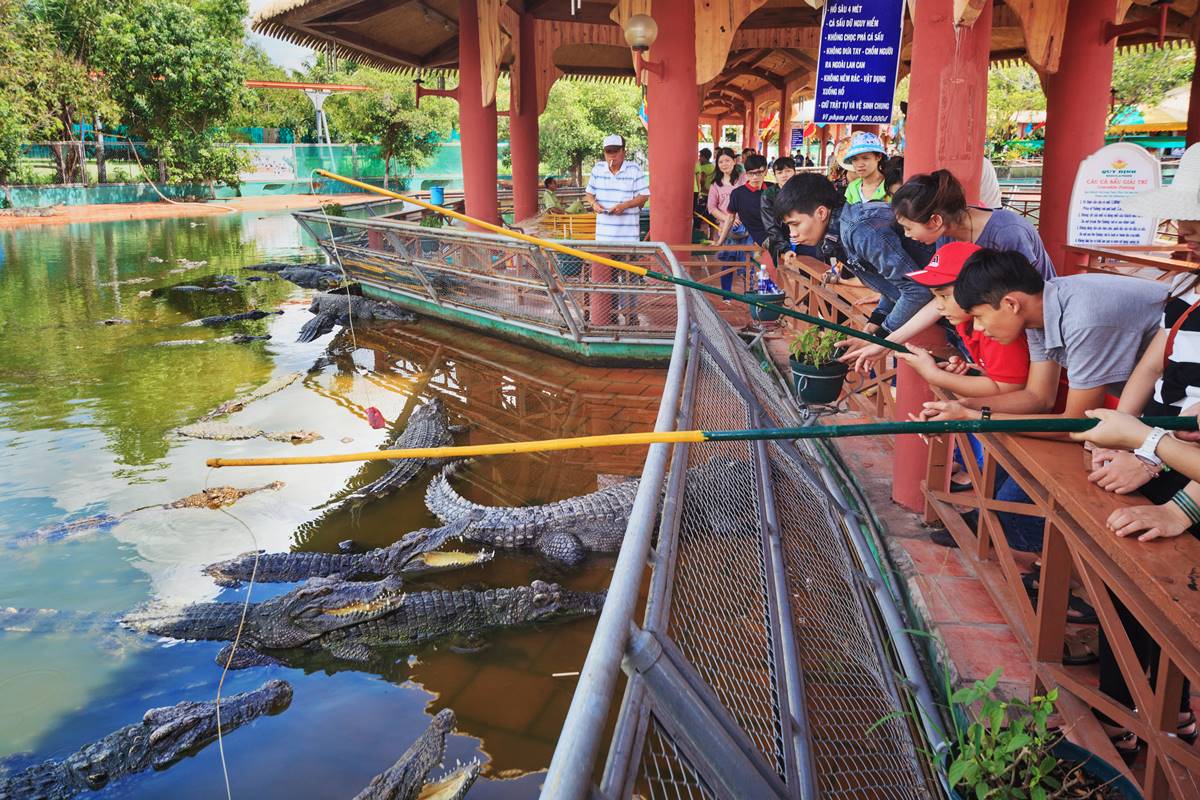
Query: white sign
[[270, 162], [1111, 173]]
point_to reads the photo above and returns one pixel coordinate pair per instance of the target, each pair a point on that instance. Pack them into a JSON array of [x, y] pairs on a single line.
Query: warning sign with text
[[860, 53]]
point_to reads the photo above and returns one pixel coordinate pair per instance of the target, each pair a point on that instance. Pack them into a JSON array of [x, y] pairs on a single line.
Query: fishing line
[[146, 176], [237, 637], [375, 420]]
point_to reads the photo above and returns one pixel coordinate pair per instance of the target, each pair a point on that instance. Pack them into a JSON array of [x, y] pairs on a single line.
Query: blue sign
[[797, 138], [860, 53]]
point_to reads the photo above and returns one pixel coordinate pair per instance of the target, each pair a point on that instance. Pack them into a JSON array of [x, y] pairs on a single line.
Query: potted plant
[[818, 377], [430, 220], [1010, 752]]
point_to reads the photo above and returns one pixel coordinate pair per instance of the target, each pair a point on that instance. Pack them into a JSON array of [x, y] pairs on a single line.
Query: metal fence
[[766, 661], [496, 278]]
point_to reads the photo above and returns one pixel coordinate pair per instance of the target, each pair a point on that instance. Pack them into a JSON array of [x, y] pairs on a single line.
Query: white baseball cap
[[613, 140]]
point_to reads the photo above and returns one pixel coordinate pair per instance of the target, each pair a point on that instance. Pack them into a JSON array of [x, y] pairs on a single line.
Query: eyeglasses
[[757, 172]]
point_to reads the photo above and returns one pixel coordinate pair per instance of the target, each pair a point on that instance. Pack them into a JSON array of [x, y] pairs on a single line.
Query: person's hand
[[789, 256], [1157, 521], [946, 410], [1102, 455], [955, 365], [1188, 436], [619, 208], [919, 359], [1121, 475], [860, 354], [1116, 430], [871, 327]]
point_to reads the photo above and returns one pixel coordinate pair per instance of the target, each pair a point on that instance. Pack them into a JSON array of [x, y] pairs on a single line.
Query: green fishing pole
[[621, 265]]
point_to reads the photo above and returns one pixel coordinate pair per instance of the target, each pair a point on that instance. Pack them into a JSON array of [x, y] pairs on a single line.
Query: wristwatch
[[1145, 452]]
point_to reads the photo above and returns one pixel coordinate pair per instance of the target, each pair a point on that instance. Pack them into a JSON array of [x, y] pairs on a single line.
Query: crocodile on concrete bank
[[348, 619], [406, 779], [564, 531], [427, 426], [415, 554], [162, 737], [342, 309]]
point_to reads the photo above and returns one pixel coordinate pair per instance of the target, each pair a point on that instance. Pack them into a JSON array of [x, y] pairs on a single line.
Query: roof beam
[[359, 12], [432, 13], [442, 55], [371, 46]]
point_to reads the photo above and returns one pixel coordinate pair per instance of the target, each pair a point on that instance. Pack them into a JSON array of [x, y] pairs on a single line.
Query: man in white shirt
[[616, 190]]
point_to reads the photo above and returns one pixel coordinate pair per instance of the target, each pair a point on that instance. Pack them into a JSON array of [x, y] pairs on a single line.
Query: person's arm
[[633, 202], [860, 353], [714, 204], [922, 362], [1038, 396], [1121, 431], [875, 242], [1140, 386], [726, 226]]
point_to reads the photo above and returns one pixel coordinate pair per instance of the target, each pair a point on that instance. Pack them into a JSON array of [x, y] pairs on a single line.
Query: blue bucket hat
[[863, 142]]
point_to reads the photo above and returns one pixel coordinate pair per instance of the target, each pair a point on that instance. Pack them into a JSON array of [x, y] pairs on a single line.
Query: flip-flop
[[1084, 614], [1081, 648]]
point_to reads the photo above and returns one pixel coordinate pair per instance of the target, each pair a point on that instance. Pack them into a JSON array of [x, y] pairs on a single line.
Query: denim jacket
[[881, 255]]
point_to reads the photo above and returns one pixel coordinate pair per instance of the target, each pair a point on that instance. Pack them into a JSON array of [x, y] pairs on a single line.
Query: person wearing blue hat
[[865, 160]]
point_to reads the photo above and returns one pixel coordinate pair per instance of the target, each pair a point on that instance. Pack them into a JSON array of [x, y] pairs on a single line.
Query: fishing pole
[[621, 265], [1031, 425]]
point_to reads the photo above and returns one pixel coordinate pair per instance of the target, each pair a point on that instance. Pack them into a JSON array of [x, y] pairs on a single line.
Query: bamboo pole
[[1031, 425]]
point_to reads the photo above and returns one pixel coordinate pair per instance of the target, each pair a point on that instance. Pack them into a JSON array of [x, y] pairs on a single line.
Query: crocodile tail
[[445, 503], [317, 327]]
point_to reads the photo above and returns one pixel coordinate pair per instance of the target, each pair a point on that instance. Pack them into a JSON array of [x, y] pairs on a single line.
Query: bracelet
[[1188, 505]]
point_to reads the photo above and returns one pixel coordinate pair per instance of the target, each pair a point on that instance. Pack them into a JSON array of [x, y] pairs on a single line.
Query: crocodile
[[227, 432], [237, 338], [312, 275], [238, 403], [408, 778], [343, 309], [224, 319], [347, 619], [164, 736], [564, 531], [414, 554], [427, 427]]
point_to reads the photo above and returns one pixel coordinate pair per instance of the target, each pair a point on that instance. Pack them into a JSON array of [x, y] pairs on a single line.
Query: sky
[[285, 54]]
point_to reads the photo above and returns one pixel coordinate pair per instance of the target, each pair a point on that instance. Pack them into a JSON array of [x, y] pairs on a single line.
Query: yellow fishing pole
[[621, 265], [1032, 425]]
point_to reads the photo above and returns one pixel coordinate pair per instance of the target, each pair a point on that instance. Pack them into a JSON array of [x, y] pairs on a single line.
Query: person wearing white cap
[[865, 160], [616, 190]]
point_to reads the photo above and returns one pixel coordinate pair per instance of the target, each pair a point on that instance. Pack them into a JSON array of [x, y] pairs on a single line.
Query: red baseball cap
[[945, 265]]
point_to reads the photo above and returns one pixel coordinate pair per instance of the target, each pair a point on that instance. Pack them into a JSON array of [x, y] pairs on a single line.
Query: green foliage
[[1144, 78], [333, 209], [431, 220], [203, 160], [1005, 752], [816, 346], [175, 69], [270, 108], [579, 115], [1011, 90], [11, 134]]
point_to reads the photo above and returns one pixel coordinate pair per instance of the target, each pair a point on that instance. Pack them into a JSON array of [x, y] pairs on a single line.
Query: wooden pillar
[[523, 126], [948, 93], [673, 106], [717, 129], [1193, 120], [822, 142], [785, 120], [1077, 100], [477, 123]]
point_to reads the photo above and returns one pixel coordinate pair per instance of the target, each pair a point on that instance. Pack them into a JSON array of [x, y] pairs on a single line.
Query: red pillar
[[948, 93], [1193, 120], [1077, 100], [477, 124], [523, 127], [717, 144], [785, 121], [823, 142], [673, 105]]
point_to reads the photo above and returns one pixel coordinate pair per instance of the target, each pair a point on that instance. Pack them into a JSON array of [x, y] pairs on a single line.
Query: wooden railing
[[1156, 581], [1151, 261]]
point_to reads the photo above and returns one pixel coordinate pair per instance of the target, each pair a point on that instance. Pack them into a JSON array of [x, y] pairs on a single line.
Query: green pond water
[[87, 414]]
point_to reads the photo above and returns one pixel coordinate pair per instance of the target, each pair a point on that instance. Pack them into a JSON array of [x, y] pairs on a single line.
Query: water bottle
[[765, 284]]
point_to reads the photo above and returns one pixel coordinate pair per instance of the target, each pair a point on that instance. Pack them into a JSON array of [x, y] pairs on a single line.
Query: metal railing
[[760, 667], [495, 278]]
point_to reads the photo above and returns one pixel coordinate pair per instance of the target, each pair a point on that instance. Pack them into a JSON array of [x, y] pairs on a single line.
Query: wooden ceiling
[[775, 44]]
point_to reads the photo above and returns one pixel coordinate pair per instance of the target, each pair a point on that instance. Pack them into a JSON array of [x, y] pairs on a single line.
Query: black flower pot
[[759, 314], [818, 385]]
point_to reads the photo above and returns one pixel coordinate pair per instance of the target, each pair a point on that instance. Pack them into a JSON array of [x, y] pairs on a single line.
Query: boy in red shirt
[[1005, 366]]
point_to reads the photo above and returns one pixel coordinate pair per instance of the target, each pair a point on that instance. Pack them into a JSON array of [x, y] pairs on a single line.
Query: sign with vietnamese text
[[1105, 178], [860, 53]]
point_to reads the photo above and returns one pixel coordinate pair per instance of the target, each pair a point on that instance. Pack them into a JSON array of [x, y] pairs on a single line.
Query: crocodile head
[[543, 602], [321, 606]]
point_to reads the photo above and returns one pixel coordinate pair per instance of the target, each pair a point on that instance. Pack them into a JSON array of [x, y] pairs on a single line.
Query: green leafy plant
[[816, 346], [333, 209], [1005, 752], [431, 221]]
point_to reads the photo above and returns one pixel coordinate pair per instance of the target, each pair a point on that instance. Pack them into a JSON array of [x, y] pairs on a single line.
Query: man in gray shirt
[[1093, 326]]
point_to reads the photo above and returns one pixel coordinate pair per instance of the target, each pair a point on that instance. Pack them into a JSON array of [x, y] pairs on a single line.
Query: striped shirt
[[1179, 385], [610, 190]]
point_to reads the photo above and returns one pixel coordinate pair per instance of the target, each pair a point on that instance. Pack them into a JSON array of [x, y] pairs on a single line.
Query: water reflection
[[86, 419]]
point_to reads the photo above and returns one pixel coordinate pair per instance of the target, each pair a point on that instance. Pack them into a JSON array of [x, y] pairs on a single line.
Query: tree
[[175, 69], [579, 114], [1011, 90], [388, 114], [271, 108], [1144, 78]]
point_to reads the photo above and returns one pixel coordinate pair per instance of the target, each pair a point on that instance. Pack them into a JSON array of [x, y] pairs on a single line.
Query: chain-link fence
[[495, 278]]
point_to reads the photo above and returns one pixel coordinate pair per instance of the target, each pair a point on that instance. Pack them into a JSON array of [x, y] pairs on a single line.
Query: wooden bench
[[567, 226], [1159, 582]]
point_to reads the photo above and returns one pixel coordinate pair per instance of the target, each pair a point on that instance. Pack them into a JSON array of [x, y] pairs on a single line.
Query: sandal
[[1186, 730], [1081, 648], [1125, 741], [1078, 611]]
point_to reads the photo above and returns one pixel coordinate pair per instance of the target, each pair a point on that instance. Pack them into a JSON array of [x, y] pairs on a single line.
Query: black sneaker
[[942, 536]]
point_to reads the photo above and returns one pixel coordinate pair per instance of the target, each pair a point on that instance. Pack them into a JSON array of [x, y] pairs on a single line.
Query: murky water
[[87, 414]]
